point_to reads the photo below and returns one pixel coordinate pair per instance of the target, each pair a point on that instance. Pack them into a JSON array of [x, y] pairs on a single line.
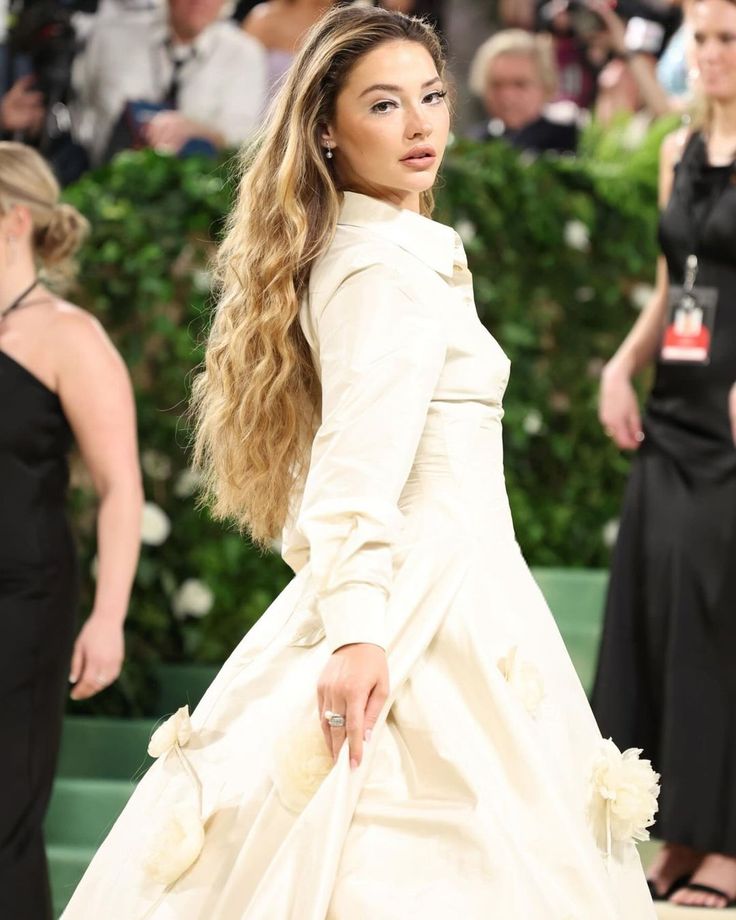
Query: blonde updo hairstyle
[[257, 402], [58, 228]]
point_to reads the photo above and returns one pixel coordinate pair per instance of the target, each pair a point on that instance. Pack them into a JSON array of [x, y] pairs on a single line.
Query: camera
[[42, 37], [43, 31], [583, 21]]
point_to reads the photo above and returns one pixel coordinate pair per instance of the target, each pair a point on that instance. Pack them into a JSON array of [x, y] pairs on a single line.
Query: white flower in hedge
[[623, 797], [177, 729], [584, 294], [193, 598], [202, 280], [577, 235], [610, 532], [174, 843], [640, 295], [187, 483], [532, 423], [155, 525], [301, 762], [466, 230], [155, 464]]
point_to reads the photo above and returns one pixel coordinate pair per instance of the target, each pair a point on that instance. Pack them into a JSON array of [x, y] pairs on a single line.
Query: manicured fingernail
[[353, 763], [368, 733]]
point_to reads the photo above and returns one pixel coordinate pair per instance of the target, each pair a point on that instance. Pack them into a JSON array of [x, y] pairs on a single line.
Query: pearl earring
[[328, 153]]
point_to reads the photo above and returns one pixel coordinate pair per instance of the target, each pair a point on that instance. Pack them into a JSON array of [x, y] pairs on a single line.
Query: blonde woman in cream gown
[[485, 790]]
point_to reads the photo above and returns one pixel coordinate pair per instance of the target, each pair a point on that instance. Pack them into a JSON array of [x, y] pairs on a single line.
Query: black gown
[[38, 600], [666, 678]]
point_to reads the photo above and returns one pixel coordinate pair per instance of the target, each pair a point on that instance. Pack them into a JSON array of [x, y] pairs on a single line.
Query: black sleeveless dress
[[38, 598], [666, 678]]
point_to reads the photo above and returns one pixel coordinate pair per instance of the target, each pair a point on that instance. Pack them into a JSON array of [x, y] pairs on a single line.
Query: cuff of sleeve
[[354, 613]]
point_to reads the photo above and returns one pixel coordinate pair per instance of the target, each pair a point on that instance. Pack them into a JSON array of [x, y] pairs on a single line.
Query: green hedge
[[560, 249]]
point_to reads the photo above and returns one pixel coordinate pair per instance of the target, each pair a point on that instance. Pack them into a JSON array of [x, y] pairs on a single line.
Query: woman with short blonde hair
[[60, 380]]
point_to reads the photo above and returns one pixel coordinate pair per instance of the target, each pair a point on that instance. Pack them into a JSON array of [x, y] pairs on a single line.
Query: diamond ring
[[334, 719]]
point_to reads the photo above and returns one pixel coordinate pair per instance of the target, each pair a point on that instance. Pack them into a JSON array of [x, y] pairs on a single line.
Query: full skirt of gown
[[473, 798]]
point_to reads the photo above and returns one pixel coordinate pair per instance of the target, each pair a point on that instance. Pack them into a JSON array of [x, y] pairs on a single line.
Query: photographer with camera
[[630, 81], [594, 46], [178, 80]]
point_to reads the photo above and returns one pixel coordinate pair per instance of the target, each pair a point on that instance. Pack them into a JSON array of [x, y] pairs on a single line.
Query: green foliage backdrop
[[561, 250]]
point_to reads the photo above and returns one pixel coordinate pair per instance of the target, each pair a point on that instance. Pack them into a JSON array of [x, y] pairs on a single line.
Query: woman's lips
[[420, 161]]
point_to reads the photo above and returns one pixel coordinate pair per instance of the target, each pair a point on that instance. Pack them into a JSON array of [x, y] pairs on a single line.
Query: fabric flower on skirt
[[301, 763], [175, 843], [524, 679], [623, 800], [177, 835], [175, 730]]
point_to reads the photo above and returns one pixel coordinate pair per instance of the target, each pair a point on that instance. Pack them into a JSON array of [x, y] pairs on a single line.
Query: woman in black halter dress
[[55, 363], [666, 678]]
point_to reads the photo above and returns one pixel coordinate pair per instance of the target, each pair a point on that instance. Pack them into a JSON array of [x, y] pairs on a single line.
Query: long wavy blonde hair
[[256, 404]]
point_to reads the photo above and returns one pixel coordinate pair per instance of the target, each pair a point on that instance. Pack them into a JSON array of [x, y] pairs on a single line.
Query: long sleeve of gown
[[381, 350]]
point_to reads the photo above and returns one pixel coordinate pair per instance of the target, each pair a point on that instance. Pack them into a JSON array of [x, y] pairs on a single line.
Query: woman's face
[[515, 92], [714, 31], [391, 124]]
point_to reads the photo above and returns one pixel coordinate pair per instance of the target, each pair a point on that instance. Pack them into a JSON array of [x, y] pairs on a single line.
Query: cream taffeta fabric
[[473, 800]]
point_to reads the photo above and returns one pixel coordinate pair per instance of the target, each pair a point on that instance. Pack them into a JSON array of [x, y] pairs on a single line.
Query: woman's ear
[[326, 137], [18, 221]]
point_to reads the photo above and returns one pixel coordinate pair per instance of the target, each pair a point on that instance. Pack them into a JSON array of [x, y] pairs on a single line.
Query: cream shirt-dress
[[486, 790]]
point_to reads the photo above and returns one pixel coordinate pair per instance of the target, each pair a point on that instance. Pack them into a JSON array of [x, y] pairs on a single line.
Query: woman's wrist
[[110, 615], [618, 368]]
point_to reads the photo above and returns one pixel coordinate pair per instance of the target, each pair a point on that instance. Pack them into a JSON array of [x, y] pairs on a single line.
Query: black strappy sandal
[[681, 882], [707, 889]]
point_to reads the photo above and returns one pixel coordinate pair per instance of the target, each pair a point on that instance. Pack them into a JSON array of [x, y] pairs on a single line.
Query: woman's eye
[[383, 106], [437, 96]]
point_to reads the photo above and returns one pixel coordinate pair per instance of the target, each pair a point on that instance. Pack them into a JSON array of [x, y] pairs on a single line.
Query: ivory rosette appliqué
[[623, 796], [300, 764], [177, 836]]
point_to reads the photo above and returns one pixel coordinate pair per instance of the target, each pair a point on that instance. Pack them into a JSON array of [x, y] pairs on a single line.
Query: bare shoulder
[[69, 323], [79, 337]]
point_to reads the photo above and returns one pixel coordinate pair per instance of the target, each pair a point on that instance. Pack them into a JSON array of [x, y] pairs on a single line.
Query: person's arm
[[96, 395], [618, 408], [641, 66], [169, 131], [381, 351]]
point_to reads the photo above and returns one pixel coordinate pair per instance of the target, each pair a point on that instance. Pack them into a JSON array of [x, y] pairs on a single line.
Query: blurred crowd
[[84, 79]]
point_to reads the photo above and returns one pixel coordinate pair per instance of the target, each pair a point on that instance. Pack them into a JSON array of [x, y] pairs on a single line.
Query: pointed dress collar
[[435, 244]]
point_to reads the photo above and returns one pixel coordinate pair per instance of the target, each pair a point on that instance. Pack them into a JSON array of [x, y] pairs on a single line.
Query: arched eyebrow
[[390, 88]]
